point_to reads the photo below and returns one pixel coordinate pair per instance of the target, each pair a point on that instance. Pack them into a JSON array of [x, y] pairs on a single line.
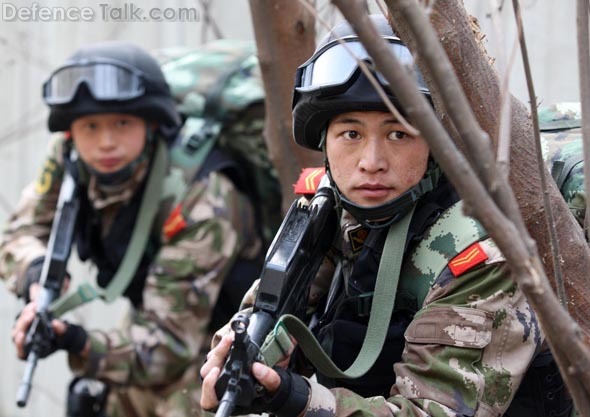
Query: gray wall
[[29, 50]]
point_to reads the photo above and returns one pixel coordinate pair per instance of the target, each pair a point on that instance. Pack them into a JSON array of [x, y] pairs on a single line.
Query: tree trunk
[[482, 88], [285, 37]]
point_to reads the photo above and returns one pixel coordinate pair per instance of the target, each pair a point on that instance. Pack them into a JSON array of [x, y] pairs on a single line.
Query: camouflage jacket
[[470, 342], [168, 330]]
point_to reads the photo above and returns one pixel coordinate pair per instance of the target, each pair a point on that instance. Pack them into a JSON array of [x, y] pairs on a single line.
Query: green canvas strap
[[560, 170], [381, 310], [143, 226]]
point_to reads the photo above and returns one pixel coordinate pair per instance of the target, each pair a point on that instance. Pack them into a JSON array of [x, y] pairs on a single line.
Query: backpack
[[562, 144], [219, 92]]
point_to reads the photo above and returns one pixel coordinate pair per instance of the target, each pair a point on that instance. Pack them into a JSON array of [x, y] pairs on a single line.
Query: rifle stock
[[292, 262], [40, 336]]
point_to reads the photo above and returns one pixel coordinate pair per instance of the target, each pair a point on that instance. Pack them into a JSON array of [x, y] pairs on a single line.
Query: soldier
[[462, 338], [560, 126], [113, 103]]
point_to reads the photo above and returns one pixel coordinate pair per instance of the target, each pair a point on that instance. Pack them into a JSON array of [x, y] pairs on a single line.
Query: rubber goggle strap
[[381, 309]]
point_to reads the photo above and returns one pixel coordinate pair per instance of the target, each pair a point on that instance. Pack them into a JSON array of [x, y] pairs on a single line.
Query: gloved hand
[[286, 393], [73, 340], [288, 401], [50, 335]]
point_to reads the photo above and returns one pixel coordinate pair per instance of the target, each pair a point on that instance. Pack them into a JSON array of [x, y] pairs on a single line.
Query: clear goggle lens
[[338, 62], [106, 81]]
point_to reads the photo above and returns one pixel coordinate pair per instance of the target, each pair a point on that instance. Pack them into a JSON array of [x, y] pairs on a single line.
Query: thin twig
[[553, 243], [455, 102], [521, 256], [584, 68], [209, 22], [505, 68]]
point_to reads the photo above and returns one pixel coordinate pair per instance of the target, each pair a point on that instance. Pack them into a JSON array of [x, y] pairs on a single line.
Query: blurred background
[[30, 48]]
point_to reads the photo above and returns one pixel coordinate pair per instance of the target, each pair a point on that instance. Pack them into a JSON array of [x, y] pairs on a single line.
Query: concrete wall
[[29, 50]]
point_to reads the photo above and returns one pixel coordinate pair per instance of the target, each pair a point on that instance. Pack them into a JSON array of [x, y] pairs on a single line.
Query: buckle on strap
[[363, 304]]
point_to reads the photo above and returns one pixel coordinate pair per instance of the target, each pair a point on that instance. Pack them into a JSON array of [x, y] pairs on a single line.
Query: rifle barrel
[[24, 388]]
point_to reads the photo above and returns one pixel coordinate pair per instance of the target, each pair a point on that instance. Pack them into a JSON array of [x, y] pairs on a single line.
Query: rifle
[[291, 263], [40, 336]]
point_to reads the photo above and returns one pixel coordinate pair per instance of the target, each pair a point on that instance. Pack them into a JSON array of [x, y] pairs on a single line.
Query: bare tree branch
[[480, 83], [519, 249], [553, 243], [285, 37], [584, 66]]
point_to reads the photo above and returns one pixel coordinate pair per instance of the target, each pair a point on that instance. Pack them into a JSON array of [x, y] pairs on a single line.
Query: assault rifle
[[291, 263], [40, 336]]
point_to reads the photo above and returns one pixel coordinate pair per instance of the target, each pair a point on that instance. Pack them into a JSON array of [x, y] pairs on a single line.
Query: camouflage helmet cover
[[560, 116]]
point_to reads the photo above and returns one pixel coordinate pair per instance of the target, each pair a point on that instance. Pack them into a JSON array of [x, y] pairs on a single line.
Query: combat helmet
[[109, 77], [330, 83]]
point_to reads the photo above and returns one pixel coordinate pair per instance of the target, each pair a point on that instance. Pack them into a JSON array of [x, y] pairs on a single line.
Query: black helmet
[[109, 77], [331, 82]]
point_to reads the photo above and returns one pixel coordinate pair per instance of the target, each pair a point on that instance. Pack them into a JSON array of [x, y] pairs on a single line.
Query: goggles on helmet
[[106, 79], [335, 63]]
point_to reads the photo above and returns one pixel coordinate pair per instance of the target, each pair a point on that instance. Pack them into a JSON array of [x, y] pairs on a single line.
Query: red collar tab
[[466, 260], [308, 181], [175, 223]]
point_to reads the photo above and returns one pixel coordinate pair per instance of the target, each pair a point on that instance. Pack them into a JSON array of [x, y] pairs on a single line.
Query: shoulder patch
[[46, 176], [469, 258], [174, 223], [308, 181]]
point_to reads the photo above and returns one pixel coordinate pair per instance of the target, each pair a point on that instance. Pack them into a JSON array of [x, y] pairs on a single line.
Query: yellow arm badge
[[46, 177]]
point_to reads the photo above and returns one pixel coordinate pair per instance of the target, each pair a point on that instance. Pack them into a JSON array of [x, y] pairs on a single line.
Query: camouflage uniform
[[468, 345], [151, 363], [562, 144]]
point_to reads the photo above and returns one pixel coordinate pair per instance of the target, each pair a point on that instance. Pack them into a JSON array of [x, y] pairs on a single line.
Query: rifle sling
[[277, 344], [141, 230]]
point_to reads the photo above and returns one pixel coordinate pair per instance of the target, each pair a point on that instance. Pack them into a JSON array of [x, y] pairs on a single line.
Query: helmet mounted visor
[[335, 64], [106, 79]]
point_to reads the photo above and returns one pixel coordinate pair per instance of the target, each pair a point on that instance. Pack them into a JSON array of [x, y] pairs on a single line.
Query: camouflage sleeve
[[27, 231], [169, 332], [466, 352]]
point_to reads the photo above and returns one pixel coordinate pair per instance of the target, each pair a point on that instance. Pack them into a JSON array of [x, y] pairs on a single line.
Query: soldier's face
[[373, 158], [108, 142]]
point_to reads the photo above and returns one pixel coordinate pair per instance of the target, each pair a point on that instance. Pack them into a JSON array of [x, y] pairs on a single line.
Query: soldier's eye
[[351, 134], [397, 135]]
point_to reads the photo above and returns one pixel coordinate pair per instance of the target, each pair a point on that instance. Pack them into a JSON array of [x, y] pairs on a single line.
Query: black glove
[[288, 401], [73, 340], [46, 342], [32, 276]]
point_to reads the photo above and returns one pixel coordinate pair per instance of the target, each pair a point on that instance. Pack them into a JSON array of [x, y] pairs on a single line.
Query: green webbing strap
[[381, 310], [149, 207], [561, 170]]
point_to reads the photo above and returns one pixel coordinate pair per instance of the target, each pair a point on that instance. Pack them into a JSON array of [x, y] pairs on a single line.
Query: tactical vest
[[341, 329]]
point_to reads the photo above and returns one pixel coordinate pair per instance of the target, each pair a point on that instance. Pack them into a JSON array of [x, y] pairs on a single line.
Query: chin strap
[[392, 211]]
